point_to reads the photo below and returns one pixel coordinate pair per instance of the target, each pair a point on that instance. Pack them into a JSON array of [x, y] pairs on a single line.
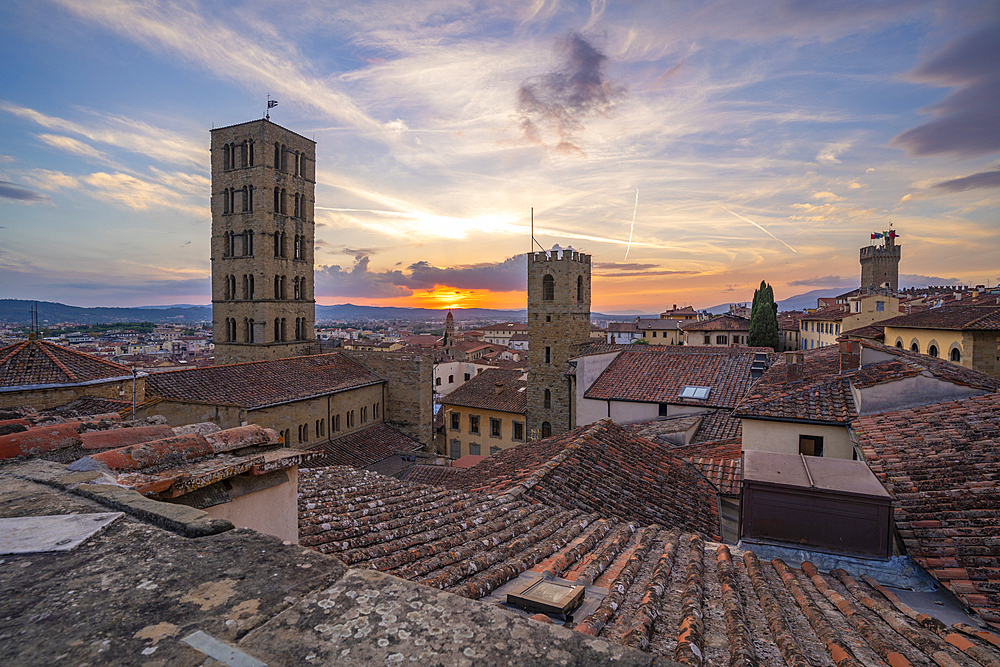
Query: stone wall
[[880, 265], [558, 329], [43, 399], [985, 351], [409, 406]]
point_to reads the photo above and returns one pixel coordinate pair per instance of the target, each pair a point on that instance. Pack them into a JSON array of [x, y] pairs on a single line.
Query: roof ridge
[[18, 347], [52, 358], [550, 465], [89, 357]]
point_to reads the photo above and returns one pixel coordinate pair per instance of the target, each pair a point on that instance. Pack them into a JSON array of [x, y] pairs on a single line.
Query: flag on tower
[[272, 103], [876, 235]]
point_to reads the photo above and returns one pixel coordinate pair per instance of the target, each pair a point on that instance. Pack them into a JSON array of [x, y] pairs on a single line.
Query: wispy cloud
[[74, 146], [13, 191], [985, 179]]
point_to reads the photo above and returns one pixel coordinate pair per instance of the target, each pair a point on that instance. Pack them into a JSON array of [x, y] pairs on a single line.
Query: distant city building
[[263, 182]]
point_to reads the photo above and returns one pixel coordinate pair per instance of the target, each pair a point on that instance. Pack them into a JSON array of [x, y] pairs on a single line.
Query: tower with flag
[[880, 263]]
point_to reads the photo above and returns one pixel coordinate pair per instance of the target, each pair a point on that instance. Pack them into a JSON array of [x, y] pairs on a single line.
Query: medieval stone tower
[[558, 329], [263, 182], [880, 264]]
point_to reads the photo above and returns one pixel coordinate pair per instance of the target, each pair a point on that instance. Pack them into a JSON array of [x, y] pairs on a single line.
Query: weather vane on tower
[[270, 105]]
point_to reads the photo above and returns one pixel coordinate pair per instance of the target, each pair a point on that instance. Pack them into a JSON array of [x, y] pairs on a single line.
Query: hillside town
[[751, 487]]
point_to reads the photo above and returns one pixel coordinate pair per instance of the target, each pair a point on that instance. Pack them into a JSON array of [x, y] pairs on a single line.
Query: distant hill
[[18, 311]]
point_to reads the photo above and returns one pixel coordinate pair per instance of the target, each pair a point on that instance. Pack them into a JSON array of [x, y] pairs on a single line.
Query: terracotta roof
[[718, 425], [823, 393], [831, 314], [664, 591], [622, 327], [432, 475], [712, 425], [942, 464], [660, 378], [38, 362], [870, 332], [720, 462], [720, 323], [949, 317], [257, 384], [493, 389], [364, 448]]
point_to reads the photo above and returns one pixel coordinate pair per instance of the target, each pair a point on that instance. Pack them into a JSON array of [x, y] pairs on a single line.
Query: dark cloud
[[965, 121], [823, 281], [984, 179], [644, 272], [622, 266], [10, 190], [915, 280], [506, 276], [563, 99], [358, 281]]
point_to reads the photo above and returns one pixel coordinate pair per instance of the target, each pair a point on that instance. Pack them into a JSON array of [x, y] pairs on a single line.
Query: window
[[336, 422], [708, 340], [695, 392], [437, 382], [811, 445], [899, 344], [579, 288], [451, 379], [456, 449], [474, 424], [932, 350], [456, 421], [837, 330], [722, 340], [654, 334], [364, 415], [466, 377], [664, 410], [880, 306], [518, 432], [474, 449], [374, 410], [956, 354], [494, 450], [548, 288], [546, 429], [494, 427], [548, 318], [914, 347], [548, 399], [548, 354]]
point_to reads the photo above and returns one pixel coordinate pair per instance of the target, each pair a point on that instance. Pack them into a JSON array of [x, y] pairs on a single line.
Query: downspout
[[609, 408]]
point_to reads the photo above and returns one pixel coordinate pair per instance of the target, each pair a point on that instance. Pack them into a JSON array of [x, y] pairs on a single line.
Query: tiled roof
[[720, 462], [622, 327], [721, 323], [660, 378], [365, 447], [871, 332], [712, 425], [260, 383], [949, 317], [718, 425], [432, 475], [493, 389], [38, 362], [942, 464], [823, 393], [831, 314], [600, 467], [664, 591]]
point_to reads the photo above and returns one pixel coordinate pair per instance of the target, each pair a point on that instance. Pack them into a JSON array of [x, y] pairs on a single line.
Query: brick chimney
[[498, 388], [850, 354], [793, 364]]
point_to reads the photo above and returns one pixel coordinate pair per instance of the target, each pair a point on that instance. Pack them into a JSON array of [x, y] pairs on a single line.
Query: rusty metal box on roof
[[817, 503]]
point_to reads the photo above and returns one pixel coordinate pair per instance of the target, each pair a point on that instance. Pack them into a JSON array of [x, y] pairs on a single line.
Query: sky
[[692, 148]]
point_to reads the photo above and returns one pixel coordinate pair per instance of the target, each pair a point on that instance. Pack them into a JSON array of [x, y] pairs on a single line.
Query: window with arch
[[248, 243], [286, 436], [579, 288], [284, 158], [249, 146], [451, 379], [297, 287], [277, 199], [932, 351], [227, 159], [298, 246], [277, 155], [437, 382], [899, 344], [548, 288], [546, 429], [956, 355], [375, 410], [364, 415], [248, 323], [284, 202], [336, 423], [231, 329], [548, 399], [914, 347]]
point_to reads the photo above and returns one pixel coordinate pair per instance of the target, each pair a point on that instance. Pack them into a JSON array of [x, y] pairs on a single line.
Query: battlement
[[558, 254], [880, 251]]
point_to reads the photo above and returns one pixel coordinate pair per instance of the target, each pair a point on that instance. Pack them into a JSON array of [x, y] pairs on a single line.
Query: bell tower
[[263, 231], [558, 329]]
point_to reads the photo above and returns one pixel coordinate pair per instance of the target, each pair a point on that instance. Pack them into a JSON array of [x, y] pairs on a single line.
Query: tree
[[764, 318]]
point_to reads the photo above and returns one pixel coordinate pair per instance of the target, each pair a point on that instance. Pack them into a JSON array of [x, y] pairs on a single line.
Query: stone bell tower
[[263, 183], [558, 329], [880, 264]]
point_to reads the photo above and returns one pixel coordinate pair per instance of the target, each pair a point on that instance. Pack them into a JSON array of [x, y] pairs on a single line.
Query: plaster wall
[[783, 437], [485, 441], [273, 511]]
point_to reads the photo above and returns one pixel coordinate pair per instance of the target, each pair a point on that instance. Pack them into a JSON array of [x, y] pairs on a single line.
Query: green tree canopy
[[764, 318]]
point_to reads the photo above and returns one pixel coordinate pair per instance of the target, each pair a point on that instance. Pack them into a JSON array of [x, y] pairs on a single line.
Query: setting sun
[[445, 297]]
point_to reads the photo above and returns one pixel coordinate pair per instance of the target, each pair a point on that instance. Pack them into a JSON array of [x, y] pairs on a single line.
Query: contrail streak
[[632, 228], [742, 217]]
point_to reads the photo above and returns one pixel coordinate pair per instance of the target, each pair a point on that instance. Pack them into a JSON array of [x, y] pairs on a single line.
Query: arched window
[[284, 158], [364, 415], [899, 344], [249, 146], [451, 379], [546, 429], [956, 355], [932, 350], [297, 288], [298, 247], [548, 288], [283, 332], [225, 202], [284, 202], [437, 382], [248, 243], [277, 155], [914, 347], [579, 288], [277, 329], [548, 399], [277, 199], [226, 163]]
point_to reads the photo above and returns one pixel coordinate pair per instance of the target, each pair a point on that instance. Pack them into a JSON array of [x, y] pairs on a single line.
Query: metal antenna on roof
[[533, 241]]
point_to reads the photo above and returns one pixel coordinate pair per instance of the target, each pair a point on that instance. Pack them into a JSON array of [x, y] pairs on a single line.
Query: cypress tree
[[764, 318]]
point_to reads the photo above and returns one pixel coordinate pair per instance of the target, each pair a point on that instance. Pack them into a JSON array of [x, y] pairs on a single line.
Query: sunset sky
[[693, 148]]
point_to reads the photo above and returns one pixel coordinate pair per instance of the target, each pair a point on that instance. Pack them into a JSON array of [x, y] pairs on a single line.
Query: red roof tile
[[942, 464], [951, 317], [257, 384], [493, 389], [720, 323], [365, 447], [38, 362]]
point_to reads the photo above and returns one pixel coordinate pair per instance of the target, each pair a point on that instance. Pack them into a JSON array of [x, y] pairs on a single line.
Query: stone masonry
[[409, 387], [880, 265], [263, 182], [558, 329]]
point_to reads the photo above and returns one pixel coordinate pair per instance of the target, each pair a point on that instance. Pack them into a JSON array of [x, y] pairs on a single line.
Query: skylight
[[692, 391]]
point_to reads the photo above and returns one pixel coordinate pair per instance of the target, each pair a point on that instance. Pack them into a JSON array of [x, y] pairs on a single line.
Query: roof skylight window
[[697, 393]]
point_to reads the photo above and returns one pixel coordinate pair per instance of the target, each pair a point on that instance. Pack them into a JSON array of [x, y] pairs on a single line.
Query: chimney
[[498, 388], [850, 354], [793, 363], [675, 306]]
